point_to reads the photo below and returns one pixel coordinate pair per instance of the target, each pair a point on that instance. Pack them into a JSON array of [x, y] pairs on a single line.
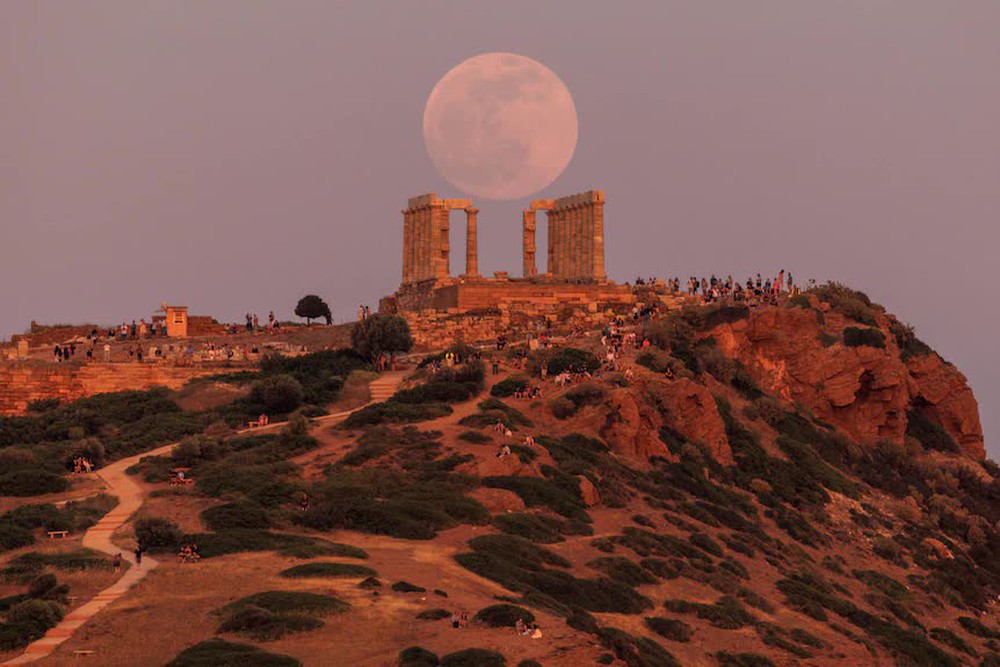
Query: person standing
[[138, 555], [118, 562]]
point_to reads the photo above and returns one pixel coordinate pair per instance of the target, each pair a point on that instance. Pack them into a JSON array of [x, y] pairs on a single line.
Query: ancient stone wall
[[23, 382]]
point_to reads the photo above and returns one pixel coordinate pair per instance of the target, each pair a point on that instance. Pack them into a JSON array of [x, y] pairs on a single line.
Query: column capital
[[471, 211]]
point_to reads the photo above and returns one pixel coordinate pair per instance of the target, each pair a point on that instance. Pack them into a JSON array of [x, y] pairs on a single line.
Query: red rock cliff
[[865, 391]]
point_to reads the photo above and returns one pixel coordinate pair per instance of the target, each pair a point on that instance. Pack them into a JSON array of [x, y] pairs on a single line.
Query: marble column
[[407, 245], [528, 243], [597, 213], [471, 242]]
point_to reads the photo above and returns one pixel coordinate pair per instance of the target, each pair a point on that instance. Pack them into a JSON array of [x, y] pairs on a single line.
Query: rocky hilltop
[[792, 484]]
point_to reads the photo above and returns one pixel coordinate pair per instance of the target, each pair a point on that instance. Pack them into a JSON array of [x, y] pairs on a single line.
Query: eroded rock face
[[638, 412], [497, 500], [864, 391]]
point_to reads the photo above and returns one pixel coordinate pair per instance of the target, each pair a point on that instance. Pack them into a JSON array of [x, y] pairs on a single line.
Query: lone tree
[[381, 334], [312, 307]]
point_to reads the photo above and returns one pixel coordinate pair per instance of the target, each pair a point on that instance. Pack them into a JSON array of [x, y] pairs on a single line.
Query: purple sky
[[234, 156]]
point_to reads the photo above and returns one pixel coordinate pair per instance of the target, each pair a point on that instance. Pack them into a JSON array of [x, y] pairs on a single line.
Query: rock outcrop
[[798, 354]]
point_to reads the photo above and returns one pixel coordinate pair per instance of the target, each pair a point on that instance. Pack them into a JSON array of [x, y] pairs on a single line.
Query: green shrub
[[848, 302], [241, 540], [433, 615], [856, 337], [974, 627], [27, 621], [623, 570], [949, 638], [508, 386], [906, 339], [415, 656], [586, 393], [290, 602], [473, 657], [328, 570], [277, 394], [742, 660], [155, 532], [572, 359], [240, 514], [534, 527], [512, 415], [14, 537], [437, 392], [930, 433], [636, 651], [407, 587], [264, 625], [31, 482], [706, 543], [562, 408], [220, 653], [503, 615], [561, 498], [475, 437], [393, 412], [674, 630], [726, 613]]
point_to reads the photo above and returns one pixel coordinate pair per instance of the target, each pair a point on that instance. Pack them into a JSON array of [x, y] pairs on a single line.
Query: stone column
[[598, 232], [528, 243], [407, 244], [576, 241], [555, 242], [420, 245], [440, 244], [588, 240], [567, 225], [471, 242]]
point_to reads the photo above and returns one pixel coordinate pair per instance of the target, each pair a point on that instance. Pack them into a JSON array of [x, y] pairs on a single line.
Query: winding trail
[[130, 498]]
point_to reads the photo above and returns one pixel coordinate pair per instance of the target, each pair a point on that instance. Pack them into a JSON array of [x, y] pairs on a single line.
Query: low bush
[[742, 660], [534, 527], [32, 563], [407, 587], [14, 537], [433, 615], [31, 482], [623, 570], [503, 615], [27, 621], [436, 392], [949, 638], [706, 544], [572, 359], [563, 498], [929, 433], [240, 514], [848, 302], [974, 627], [474, 657], [415, 656], [155, 532], [290, 602], [856, 337], [726, 613], [264, 625], [328, 570], [220, 653], [392, 412], [674, 630], [277, 394], [521, 566], [636, 651], [475, 437], [241, 540], [586, 393], [562, 408], [508, 386]]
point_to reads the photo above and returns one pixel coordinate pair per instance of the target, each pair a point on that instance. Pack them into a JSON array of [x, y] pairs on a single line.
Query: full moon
[[500, 126]]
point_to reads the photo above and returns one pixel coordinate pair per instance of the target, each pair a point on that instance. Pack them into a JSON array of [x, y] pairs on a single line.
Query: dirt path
[[130, 498]]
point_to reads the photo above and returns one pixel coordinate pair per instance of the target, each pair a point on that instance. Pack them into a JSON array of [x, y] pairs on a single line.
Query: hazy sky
[[233, 156]]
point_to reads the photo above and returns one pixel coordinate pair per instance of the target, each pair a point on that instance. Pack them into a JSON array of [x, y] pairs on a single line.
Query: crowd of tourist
[[82, 465], [189, 553]]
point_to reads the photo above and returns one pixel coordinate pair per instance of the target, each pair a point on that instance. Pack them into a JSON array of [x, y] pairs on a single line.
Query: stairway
[[385, 385]]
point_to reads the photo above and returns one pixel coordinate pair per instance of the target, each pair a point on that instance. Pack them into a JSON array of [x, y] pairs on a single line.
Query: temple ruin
[[574, 272]]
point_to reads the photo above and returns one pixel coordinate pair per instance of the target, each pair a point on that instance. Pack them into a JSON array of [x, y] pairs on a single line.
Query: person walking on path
[[138, 555], [118, 562]]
